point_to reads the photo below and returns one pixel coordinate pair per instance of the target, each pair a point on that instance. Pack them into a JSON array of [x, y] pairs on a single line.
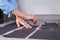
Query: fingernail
[[30, 27], [18, 25]]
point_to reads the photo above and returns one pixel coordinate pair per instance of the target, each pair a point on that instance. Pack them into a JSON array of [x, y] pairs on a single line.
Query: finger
[[24, 24], [18, 25], [34, 20], [27, 25]]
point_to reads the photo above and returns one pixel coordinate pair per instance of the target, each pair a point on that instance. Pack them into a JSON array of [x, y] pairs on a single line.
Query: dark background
[[1, 16]]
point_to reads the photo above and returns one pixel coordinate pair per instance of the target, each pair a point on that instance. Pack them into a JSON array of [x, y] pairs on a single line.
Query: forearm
[[16, 12]]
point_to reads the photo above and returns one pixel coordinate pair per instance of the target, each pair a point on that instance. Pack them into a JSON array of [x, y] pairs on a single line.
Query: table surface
[[44, 31]]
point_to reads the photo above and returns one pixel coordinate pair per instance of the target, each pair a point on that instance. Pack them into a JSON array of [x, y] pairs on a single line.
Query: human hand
[[19, 21], [26, 16]]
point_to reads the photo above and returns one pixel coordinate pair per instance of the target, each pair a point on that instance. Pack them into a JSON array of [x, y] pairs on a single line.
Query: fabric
[[8, 5]]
